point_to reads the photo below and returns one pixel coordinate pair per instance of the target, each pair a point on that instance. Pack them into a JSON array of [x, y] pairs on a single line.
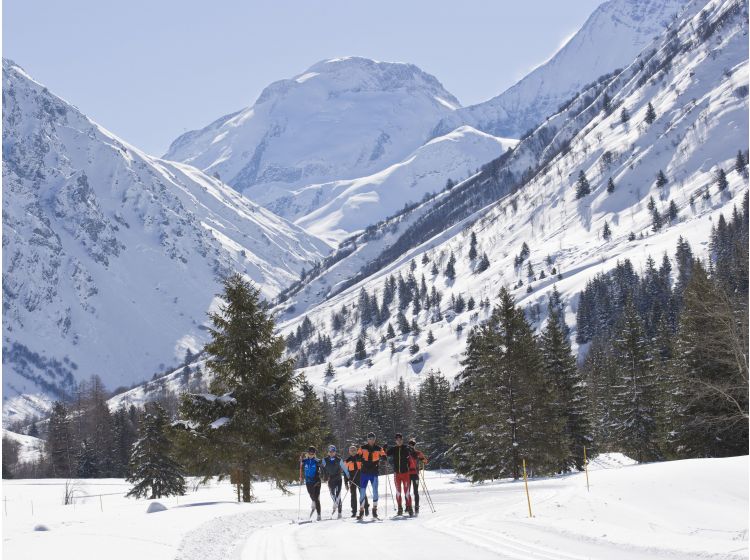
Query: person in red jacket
[[414, 465], [401, 454]]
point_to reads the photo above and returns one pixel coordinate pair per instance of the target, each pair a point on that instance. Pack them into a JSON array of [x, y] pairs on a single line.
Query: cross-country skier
[[312, 467], [333, 468], [354, 466], [401, 454], [415, 459], [370, 454]]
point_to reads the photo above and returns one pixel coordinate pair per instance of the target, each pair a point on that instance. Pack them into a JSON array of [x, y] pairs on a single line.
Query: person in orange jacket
[[414, 465], [354, 465]]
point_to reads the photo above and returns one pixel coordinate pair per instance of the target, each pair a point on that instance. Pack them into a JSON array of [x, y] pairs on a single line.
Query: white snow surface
[[702, 120], [341, 119], [609, 39], [111, 257], [682, 510]]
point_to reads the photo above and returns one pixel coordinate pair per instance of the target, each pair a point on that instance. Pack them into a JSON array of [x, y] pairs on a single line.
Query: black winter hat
[[371, 435], [311, 449], [399, 435]]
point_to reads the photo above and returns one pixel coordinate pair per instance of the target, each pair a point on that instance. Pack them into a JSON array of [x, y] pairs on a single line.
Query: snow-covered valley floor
[[677, 510]]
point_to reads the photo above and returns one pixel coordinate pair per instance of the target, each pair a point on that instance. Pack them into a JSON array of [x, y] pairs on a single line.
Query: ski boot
[[318, 517], [400, 511], [367, 511], [375, 512], [409, 511], [354, 514], [361, 514]]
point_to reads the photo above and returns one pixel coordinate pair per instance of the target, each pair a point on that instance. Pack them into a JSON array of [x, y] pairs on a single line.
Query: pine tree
[[634, 400], [721, 180], [252, 422], [430, 337], [582, 185], [330, 371], [661, 179], [360, 353], [673, 211], [450, 269], [484, 263], [606, 232], [403, 324], [503, 409], [473, 246], [624, 115], [560, 367], [153, 472], [610, 186], [390, 333], [712, 399], [740, 163], [432, 419], [414, 348], [606, 104], [59, 446], [650, 114]]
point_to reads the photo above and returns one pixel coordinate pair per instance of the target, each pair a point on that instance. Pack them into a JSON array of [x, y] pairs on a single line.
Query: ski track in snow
[[462, 523], [222, 537]]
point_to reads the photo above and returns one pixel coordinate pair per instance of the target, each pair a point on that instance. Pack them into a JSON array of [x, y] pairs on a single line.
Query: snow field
[[678, 510]]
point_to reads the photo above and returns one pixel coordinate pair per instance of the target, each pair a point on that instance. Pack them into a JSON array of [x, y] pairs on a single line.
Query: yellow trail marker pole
[[526, 484], [586, 468]]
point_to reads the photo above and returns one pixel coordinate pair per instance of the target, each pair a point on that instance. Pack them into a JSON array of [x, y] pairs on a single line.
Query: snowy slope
[[111, 257], [30, 448], [610, 38], [341, 119], [336, 210], [698, 87], [683, 510]]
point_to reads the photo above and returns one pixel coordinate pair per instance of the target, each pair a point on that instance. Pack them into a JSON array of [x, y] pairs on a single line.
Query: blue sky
[[150, 70]]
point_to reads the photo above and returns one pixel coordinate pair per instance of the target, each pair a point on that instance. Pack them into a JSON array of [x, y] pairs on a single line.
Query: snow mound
[[611, 461], [155, 507]]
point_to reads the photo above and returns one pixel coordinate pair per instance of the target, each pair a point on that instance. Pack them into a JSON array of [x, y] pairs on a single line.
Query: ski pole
[[299, 494], [393, 502], [427, 492]]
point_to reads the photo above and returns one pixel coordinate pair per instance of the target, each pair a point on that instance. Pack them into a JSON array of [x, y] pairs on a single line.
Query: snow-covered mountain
[[696, 77], [342, 118], [337, 209], [111, 258], [609, 39]]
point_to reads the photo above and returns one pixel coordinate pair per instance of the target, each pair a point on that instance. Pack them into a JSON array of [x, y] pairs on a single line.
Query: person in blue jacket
[[333, 468], [311, 467]]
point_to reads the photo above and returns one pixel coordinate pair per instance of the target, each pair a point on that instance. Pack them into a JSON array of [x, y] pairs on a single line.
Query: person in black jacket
[[354, 466], [333, 467], [400, 455]]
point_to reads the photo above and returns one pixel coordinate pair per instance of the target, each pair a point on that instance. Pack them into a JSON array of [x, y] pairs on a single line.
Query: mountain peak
[[342, 118]]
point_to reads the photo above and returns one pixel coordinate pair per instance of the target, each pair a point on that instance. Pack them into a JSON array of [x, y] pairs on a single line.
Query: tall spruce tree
[[504, 408], [152, 470], [582, 185], [560, 367], [634, 399], [711, 371], [252, 423], [432, 419]]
